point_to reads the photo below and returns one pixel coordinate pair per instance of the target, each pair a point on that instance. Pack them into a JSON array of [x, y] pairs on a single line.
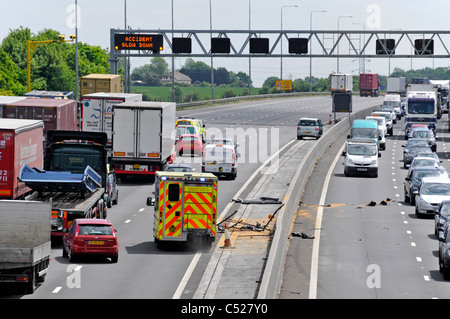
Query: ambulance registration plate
[[96, 242]]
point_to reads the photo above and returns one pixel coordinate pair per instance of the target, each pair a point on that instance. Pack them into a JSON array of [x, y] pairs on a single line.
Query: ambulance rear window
[[174, 192]]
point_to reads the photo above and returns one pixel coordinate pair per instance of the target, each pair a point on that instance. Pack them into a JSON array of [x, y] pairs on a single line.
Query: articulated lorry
[[369, 84], [97, 108], [24, 242], [396, 85], [21, 142], [142, 137], [422, 106], [74, 178], [341, 83]]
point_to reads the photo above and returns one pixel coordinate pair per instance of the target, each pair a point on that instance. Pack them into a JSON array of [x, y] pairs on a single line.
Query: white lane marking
[[56, 290], [186, 276], [194, 261], [316, 243], [127, 221]]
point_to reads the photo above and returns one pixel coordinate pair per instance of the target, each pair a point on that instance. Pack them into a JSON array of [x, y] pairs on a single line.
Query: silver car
[[312, 127], [432, 191]]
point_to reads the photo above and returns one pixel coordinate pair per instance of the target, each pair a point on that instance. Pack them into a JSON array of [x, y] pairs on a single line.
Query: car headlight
[[374, 162], [349, 161]]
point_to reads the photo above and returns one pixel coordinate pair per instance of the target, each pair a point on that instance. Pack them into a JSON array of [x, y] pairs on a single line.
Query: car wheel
[[114, 259], [407, 198], [71, 256]]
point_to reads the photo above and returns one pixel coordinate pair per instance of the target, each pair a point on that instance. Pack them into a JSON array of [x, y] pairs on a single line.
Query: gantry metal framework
[[326, 43]]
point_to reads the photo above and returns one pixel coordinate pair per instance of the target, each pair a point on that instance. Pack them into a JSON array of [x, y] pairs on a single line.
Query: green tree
[[53, 64]]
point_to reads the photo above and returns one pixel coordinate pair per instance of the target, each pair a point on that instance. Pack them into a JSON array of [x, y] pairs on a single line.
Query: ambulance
[[185, 207]]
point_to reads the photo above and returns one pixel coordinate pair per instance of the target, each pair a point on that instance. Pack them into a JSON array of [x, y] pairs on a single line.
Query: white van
[[361, 157], [220, 159], [381, 129]]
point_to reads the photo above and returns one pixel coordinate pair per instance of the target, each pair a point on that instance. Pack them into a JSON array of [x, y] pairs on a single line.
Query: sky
[[97, 17]]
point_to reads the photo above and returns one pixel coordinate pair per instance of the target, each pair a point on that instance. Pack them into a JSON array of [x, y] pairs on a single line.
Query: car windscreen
[[418, 175], [188, 138], [364, 132], [435, 189], [424, 162], [220, 154], [95, 230], [362, 149], [179, 169], [422, 134], [419, 149], [307, 123]]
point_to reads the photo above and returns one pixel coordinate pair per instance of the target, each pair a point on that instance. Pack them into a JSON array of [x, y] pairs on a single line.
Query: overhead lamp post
[[362, 66], [31, 48], [339, 18], [310, 48], [281, 61]]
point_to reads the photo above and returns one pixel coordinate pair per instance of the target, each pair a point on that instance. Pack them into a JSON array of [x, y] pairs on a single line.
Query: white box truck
[[96, 111], [25, 244], [396, 85], [341, 83], [142, 137]]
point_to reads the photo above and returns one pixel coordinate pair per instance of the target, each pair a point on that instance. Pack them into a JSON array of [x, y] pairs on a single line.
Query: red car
[[190, 144], [91, 237]]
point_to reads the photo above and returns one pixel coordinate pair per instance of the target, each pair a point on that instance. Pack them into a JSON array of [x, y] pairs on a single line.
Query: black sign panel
[[181, 45], [152, 42], [385, 46], [220, 45], [342, 102], [259, 45], [298, 45], [420, 45]]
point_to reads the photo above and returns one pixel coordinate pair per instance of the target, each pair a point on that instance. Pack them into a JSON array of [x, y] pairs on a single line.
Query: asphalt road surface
[[144, 271]]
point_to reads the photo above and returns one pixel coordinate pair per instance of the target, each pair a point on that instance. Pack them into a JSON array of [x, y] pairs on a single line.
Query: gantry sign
[[269, 43]]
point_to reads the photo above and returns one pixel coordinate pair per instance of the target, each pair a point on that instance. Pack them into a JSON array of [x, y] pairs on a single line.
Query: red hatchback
[[91, 237], [190, 144]]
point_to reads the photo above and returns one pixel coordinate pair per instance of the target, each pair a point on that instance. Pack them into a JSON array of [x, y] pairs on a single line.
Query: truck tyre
[[31, 284]]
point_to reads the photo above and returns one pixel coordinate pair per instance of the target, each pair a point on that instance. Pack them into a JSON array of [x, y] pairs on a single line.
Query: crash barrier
[[182, 106], [273, 272]]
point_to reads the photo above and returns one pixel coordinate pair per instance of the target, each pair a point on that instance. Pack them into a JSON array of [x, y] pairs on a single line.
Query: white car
[[432, 191]]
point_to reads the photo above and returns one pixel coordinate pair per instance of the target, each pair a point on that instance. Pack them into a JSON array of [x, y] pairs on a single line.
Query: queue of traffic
[[427, 182]]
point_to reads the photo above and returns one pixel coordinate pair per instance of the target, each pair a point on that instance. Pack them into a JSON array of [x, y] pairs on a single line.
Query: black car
[[414, 176], [442, 216], [444, 253], [113, 191], [410, 152]]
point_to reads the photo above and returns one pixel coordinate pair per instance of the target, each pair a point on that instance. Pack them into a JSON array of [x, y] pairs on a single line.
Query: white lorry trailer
[[341, 83], [24, 242], [142, 137]]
